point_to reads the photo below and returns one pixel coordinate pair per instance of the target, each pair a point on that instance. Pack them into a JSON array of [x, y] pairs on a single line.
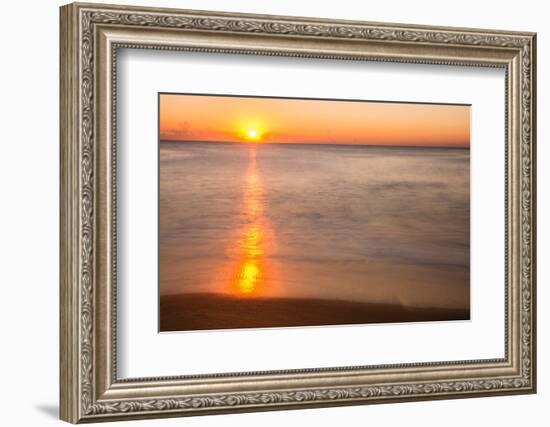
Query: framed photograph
[[265, 212]]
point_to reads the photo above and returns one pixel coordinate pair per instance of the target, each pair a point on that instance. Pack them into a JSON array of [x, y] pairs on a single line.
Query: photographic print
[[280, 212]]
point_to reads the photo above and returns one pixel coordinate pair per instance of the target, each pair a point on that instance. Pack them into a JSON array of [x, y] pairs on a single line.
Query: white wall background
[[29, 170]]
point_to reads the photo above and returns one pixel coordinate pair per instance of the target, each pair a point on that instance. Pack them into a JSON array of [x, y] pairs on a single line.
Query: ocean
[[386, 225]]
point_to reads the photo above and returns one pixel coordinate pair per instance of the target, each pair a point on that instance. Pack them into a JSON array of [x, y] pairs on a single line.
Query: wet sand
[[207, 311]]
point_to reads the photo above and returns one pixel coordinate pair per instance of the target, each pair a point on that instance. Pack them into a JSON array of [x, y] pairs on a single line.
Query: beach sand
[[205, 311]]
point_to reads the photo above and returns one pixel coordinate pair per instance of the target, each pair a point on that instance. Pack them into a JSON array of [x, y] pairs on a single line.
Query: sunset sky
[[244, 119]]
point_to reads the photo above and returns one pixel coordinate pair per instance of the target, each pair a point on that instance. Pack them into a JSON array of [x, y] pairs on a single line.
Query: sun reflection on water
[[254, 239], [249, 276]]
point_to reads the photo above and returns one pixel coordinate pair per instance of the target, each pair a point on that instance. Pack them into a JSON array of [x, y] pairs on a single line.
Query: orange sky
[[241, 119]]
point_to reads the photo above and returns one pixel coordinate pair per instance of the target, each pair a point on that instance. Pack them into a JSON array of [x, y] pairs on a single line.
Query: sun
[[252, 134]]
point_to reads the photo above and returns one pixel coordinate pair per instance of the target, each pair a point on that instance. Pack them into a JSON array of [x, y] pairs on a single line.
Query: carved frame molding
[[90, 37]]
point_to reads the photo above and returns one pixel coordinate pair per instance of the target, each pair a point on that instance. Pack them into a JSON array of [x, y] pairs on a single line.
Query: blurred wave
[[343, 206]]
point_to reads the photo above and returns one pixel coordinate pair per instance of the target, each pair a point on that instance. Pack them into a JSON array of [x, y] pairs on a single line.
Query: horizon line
[[183, 141]]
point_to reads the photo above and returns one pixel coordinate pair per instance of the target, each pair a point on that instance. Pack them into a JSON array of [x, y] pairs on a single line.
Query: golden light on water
[[249, 276], [251, 265], [250, 269]]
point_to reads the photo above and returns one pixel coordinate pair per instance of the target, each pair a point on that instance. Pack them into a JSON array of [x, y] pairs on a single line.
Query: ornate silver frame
[[90, 36]]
